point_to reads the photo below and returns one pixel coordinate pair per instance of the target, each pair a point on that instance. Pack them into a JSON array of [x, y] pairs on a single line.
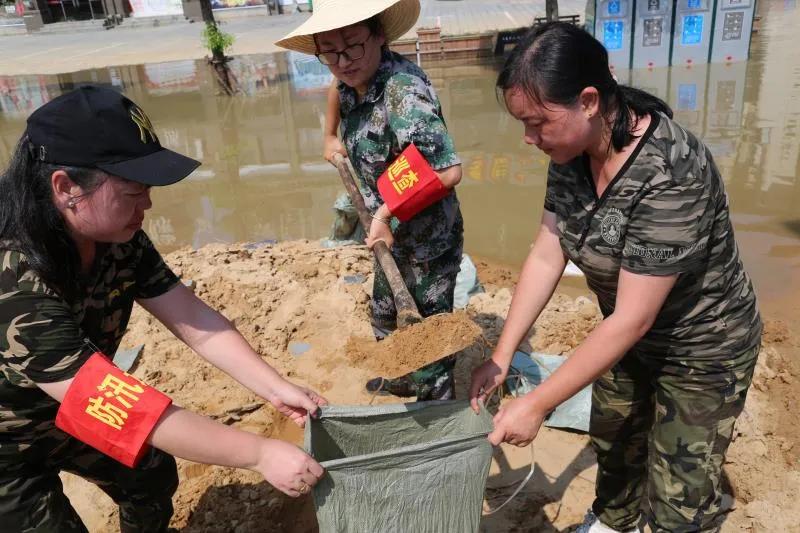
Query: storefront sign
[[151, 8]]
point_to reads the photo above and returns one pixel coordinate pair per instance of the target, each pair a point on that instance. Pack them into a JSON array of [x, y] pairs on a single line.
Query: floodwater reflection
[[263, 176]]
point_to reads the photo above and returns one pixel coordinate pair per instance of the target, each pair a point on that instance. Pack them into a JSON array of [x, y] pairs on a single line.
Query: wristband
[[410, 185], [111, 410]]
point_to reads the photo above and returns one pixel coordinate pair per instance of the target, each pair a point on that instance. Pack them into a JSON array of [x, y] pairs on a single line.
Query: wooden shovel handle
[[407, 312]]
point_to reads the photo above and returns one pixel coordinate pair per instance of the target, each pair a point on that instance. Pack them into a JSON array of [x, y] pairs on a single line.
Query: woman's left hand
[[296, 402], [379, 231], [516, 423]]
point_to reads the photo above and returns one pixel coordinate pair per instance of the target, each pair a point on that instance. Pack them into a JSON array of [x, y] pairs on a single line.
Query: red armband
[[111, 410], [410, 185]]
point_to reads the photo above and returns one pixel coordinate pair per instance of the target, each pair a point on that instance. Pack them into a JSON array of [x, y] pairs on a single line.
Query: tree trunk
[[551, 9], [208, 13], [208, 18], [218, 59]]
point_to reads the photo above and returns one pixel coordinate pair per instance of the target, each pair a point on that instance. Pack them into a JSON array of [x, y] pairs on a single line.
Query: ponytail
[[640, 103]]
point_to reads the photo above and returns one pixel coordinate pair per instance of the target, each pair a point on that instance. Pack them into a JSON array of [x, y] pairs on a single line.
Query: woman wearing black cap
[[73, 260]]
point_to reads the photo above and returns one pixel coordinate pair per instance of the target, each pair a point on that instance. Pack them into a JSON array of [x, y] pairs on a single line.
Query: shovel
[[407, 311]]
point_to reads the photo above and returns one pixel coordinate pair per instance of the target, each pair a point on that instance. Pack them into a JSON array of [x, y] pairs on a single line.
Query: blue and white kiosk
[[691, 41], [652, 33], [613, 26], [732, 30]]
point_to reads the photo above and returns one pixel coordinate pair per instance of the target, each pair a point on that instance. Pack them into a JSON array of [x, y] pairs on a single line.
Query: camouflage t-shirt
[[43, 339], [665, 212], [400, 108]]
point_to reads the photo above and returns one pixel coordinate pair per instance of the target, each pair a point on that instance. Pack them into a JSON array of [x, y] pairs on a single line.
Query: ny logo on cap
[[145, 127]]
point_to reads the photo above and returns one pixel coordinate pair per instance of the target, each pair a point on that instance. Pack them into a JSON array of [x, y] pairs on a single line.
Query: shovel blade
[[414, 346]]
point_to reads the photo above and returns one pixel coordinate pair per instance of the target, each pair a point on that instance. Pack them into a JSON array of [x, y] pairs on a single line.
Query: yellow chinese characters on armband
[[111, 410], [410, 185], [401, 175]]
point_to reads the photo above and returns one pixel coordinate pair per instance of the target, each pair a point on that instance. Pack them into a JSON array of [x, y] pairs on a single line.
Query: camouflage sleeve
[[153, 276], [668, 229], [42, 339], [415, 117]]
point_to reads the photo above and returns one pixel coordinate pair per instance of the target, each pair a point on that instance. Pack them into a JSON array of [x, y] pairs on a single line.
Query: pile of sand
[[299, 305], [763, 459]]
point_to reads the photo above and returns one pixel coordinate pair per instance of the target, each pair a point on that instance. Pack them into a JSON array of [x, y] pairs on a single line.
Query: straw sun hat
[[396, 16]]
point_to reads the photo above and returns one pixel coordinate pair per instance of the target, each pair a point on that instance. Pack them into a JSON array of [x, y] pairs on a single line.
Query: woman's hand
[[332, 145], [288, 468], [517, 422], [485, 379], [379, 231], [295, 402]]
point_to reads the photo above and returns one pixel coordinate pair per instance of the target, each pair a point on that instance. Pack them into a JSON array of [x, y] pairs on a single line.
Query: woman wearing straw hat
[[386, 103]]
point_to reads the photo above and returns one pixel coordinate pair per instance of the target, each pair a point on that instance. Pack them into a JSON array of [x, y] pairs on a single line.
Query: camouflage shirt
[[665, 212], [43, 339], [400, 108]]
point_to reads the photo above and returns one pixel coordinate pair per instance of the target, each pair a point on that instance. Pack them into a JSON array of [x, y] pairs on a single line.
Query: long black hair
[[555, 61], [31, 223]]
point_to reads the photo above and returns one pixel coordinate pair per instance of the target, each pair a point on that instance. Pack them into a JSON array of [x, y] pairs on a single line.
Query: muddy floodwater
[[263, 177]]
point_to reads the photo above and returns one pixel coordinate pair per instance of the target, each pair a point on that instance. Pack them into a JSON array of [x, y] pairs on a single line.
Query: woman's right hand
[[332, 145], [288, 468], [486, 378]]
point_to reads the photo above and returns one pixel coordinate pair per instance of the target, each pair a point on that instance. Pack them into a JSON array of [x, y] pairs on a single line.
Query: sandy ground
[[295, 297]]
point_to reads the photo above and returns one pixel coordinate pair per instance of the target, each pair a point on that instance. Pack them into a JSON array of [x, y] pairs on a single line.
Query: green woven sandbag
[[418, 467]]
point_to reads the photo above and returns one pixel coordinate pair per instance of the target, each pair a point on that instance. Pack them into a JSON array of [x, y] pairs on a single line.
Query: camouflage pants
[[432, 285], [660, 429], [32, 497]]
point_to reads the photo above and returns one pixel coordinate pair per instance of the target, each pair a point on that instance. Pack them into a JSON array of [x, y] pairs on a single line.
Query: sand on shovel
[[414, 346]]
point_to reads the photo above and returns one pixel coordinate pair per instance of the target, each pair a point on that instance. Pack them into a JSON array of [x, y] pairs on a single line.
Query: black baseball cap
[[97, 127]]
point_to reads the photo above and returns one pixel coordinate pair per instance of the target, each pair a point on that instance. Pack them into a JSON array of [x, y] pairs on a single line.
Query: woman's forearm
[[332, 111], [639, 300], [193, 437], [228, 350], [196, 438], [604, 346], [536, 285], [214, 338], [537, 282]]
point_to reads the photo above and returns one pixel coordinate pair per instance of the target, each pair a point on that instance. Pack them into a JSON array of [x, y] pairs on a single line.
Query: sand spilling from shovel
[[415, 346]]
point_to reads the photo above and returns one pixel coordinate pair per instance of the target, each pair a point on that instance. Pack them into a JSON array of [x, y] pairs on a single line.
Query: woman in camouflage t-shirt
[[637, 203], [73, 260], [385, 103]]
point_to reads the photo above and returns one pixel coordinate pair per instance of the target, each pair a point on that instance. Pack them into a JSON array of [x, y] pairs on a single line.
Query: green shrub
[[216, 40]]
